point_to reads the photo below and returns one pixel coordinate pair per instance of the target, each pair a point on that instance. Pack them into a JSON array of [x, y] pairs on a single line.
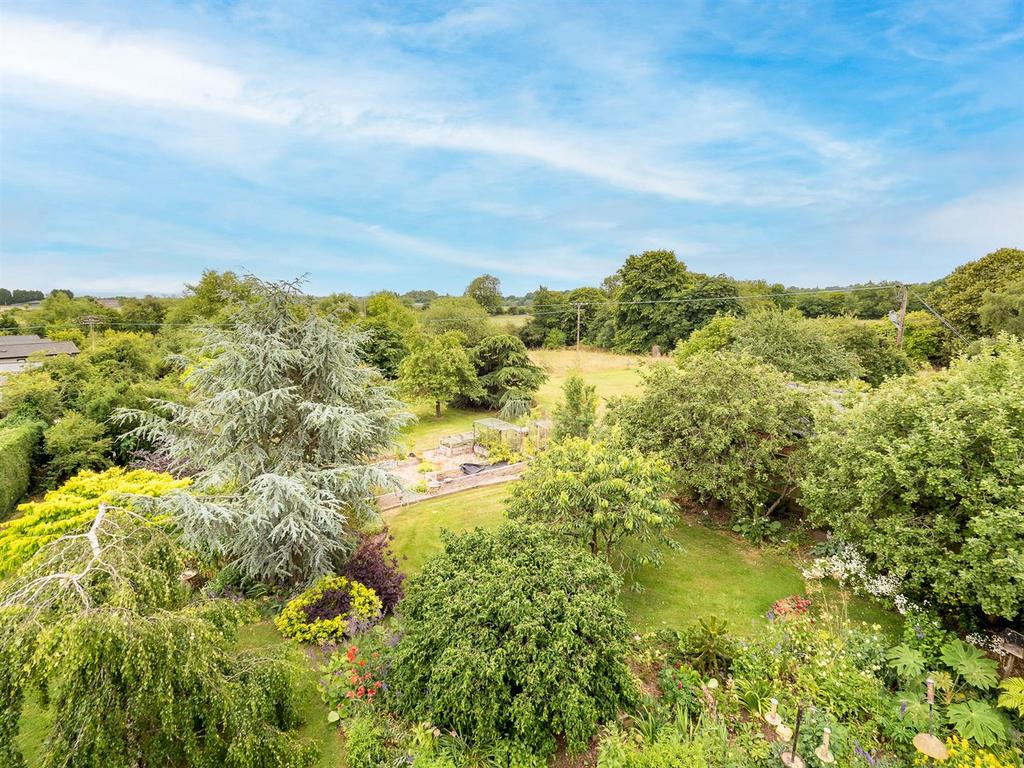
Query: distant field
[[509, 323], [612, 374]]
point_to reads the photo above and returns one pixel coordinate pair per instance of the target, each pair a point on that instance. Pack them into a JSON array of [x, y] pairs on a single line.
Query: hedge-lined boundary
[[18, 442]]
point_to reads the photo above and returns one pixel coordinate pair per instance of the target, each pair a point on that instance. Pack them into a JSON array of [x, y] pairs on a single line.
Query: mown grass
[[713, 573]]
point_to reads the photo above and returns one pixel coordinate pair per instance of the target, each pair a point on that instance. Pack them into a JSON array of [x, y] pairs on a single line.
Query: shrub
[[511, 634], [18, 443], [70, 509], [727, 424], [555, 339], [74, 443], [609, 498], [327, 611], [577, 412], [794, 344], [713, 337], [33, 394], [366, 742], [925, 477], [878, 357], [374, 565]]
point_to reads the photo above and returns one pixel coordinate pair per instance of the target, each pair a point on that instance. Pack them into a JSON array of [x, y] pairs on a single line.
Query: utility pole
[[579, 314], [902, 317], [91, 321]]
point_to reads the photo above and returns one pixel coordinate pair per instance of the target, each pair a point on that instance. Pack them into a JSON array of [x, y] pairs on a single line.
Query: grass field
[[713, 573], [612, 374]]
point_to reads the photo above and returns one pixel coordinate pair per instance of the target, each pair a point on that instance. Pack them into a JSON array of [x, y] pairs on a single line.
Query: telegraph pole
[[902, 317]]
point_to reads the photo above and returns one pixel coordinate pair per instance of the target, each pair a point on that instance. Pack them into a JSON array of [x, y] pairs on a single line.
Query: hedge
[[18, 442]]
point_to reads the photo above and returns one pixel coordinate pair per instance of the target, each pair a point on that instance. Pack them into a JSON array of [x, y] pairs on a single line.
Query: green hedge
[[18, 441]]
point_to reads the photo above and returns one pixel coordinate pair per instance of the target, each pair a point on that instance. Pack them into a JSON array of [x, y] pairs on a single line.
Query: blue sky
[[414, 145]]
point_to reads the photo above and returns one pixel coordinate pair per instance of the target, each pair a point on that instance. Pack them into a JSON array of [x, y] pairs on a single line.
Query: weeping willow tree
[[134, 670], [280, 431]]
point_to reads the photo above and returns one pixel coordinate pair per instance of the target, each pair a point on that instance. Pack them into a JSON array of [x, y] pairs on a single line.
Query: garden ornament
[[791, 759], [927, 743], [823, 753], [773, 718]]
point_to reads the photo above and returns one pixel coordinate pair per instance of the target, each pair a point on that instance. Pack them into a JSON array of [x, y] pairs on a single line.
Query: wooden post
[[902, 318]]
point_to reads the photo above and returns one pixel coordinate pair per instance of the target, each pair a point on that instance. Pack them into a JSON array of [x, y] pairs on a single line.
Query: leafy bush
[[374, 565], [794, 344], [327, 611], [577, 412], [70, 509], [878, 356], [366, 742], [511, 634], [74, 443], [611, 499], [555, 339], [713, 337], [18, 443], [946, 450], [728, 426]]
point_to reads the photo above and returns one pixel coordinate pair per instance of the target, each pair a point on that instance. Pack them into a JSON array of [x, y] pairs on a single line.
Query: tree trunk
[[437, 408]]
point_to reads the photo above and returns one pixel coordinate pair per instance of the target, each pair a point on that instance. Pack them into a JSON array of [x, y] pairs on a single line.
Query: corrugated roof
[[9, 351]]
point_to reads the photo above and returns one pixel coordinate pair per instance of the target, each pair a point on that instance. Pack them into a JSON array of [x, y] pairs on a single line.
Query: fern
[[1012, 696]]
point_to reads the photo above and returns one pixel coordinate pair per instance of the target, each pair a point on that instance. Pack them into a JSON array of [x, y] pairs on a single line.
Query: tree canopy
[[284, 415], [962, 294], [485, 291], [438, 369], [508, 377]]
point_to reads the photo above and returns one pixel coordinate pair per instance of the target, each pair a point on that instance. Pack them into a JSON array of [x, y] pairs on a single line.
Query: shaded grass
[[713, 573]]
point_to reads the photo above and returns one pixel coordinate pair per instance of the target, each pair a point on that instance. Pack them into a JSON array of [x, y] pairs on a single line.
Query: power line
[[942, 320]]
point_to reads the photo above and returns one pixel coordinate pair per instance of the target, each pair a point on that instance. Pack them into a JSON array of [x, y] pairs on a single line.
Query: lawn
[[713, 573]]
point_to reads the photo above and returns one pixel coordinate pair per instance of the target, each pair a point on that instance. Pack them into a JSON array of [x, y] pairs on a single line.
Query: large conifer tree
[[282, 427]]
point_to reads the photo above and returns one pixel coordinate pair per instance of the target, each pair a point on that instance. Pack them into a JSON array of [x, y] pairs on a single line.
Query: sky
[[390, 145]]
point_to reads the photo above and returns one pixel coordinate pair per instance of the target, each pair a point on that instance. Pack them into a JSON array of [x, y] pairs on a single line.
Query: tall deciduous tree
[[647, 310], [576, 414], [438, 369], [456, 314], [486, 291], [963, 292], [283, 423], [1004, 310]]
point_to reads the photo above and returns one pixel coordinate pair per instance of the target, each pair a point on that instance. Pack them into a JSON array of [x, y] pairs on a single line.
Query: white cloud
[[980, 222], [661, 157], [123, 66]]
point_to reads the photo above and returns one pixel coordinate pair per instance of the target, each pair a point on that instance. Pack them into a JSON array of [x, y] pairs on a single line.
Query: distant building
[[109, 303], [15, 351]]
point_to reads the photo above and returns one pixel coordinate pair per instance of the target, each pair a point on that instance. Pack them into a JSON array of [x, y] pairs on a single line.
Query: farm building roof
[[20, 347]]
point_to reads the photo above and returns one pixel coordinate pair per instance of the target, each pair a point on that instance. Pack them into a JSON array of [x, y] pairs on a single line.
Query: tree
[[136, 672], [551, 312], [507, 374], [728, 425], [576, 414], [438, 370], [456, 314], [384, 347], [211, 296], [706, 296], [963, 292], [485, 291], [1004, 310], [924, 476], [147, 312], [646, 310], [512, 634], [340, 307], [794, 344], [611, 499], [387, 307], [284, 415]]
